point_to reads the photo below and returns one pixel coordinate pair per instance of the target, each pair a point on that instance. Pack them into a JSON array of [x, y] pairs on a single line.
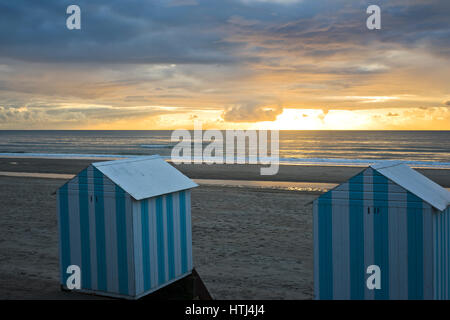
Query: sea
[[358, 148]]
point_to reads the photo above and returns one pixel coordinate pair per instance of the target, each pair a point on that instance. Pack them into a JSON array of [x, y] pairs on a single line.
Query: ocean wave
[[362, 162], [156, 146], [323, 161], [263, 161]]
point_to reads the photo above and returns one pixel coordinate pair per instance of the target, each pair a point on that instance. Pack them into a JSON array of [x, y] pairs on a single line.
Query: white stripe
[[403, 249], [398, 239], [138, 266], [92, 233], [74, 225], [189, 229], [341, 249], [368, 229], [129, 244], [165, 235], [176, 226], [153, 242], [112, 275], [427, 252]]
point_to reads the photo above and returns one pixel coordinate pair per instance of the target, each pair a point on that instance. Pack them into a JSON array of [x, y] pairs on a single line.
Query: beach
[[248, 242], [293, 173]]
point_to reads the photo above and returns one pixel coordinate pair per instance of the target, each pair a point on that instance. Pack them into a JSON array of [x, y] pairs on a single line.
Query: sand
[[248, 243], [299, 173]]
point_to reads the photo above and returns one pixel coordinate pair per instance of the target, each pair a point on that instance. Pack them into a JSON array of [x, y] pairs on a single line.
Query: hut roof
[[145, 177], [415, 183]]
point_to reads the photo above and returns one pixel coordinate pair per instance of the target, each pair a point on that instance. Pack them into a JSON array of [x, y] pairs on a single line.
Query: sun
[[313, 119]]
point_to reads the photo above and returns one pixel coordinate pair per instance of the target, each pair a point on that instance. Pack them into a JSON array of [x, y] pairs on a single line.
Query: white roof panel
[[416, 183], [145, 177]]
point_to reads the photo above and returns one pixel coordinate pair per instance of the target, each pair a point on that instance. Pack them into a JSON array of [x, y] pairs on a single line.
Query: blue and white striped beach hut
[[391, 216], [127, 225]]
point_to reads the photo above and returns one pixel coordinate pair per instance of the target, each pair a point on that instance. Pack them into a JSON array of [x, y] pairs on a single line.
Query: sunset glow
[[306, 65]]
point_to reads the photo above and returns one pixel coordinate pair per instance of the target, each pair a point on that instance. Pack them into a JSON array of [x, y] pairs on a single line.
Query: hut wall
[[95, 223], [162, 240], [370, 220], [441, 250]]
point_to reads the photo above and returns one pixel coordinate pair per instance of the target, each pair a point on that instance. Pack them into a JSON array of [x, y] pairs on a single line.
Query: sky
[[230, 64]]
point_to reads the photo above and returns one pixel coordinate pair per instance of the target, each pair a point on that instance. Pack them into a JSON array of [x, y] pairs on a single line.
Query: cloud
[[204, 55], [272, 1], [114, 32], [251, 112], [390, 114], [60, 115], [175, 3], [323, 114]]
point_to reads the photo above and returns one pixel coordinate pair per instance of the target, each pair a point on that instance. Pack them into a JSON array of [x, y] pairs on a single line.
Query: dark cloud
[[251, 112], [132, 31], [198, 31], [390, 114]]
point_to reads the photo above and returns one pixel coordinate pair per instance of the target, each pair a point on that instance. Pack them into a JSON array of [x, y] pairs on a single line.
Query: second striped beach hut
[[127, 225], [389, 216]]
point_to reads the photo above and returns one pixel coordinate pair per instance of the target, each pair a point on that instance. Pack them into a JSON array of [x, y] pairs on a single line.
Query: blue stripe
[[381, 233], [183, 232], [170, 236], [442, 255], [64, 231], [415, 249], [84, 226], [325, 249], [100, 229], [160, 239], [121, 226], [356, 221], [447, 254], [145, 245], [435, 257]]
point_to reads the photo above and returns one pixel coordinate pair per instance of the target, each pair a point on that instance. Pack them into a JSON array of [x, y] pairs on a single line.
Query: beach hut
[[388, 216], [127, 225]]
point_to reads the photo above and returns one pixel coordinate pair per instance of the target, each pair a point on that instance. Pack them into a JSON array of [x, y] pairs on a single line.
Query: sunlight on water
[[360, 148]]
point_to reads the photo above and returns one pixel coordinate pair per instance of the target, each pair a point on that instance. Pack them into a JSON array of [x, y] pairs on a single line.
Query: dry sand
[[248, 243]]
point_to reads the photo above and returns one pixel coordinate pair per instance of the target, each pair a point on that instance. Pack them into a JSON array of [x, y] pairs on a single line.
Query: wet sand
[[296, 173]]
